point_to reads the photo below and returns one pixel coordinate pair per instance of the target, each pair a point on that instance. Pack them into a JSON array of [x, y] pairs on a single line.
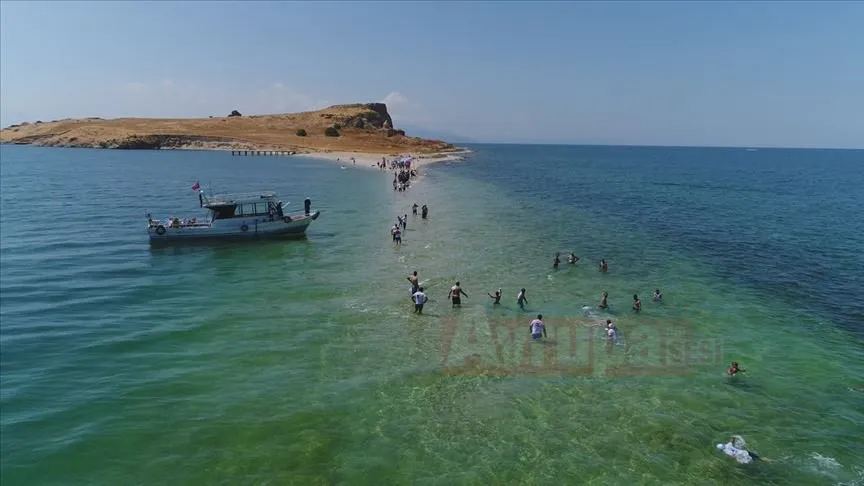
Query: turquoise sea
[[301, 362]]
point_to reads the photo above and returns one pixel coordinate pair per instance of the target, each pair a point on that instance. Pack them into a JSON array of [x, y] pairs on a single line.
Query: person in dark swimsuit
[[637, 304], [604, 301], [456, 294], [495, 298], [415, 282], [556, 261]]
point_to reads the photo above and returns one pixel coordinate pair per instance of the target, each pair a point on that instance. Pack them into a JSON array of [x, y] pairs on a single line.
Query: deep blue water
[[788, 223]]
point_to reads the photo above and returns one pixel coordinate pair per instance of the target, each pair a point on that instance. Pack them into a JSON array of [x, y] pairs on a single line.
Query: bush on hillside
[[301, 132], [235, 113], [331, 132]]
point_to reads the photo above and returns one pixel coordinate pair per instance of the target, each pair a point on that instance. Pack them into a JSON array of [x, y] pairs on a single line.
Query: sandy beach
[[369, 160]]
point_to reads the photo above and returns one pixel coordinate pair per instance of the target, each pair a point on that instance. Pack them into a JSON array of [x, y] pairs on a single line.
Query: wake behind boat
[[238, 216]]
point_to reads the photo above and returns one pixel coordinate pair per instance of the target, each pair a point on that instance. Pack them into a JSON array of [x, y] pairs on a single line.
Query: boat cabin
[[243, 206]]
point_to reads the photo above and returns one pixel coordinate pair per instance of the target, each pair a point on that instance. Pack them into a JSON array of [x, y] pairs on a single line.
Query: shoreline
[[365, 160]]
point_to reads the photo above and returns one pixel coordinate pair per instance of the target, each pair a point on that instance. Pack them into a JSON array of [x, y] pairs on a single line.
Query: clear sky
[[656, 73]]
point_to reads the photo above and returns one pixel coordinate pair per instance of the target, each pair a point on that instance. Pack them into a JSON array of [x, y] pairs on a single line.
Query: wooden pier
[[262, 153]]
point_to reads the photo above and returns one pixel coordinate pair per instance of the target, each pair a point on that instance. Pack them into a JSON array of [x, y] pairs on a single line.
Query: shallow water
[[300, 362]]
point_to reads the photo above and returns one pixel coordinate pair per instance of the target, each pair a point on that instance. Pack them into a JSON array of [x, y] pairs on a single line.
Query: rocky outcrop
[[373, 116], [234, 113]]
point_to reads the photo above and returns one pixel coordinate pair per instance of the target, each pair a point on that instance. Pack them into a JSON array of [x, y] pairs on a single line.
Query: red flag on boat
[[196, 186]]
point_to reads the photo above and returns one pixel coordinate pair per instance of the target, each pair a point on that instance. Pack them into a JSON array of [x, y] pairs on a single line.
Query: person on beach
[[419, 299], [455, 295], [424, 211], [415, 282], [572, 259], [496, 299], [538, 329], [521, 299], [604, 301], [405, 222], [637, 304], [414, 209], [734, 369], [604, 267], [657, 295], [556, 260]]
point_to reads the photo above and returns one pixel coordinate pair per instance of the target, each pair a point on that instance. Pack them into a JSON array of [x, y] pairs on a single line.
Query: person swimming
[[734, 369], [572, 259], [495, 298], [521, 299], [538, 329], [637, 304], [657, 295], [736, 448], [604, 301]]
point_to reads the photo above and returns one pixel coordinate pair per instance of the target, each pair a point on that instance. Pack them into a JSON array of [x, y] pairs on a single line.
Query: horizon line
[[582, 144]]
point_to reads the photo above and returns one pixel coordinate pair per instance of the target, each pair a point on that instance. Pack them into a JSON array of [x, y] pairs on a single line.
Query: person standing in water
[[637, 304], [405, 222], [424, 211], [556, 260], [604, 301], [414, 209], [657, 295], [496, 299], [415, 282], [456, 294], [419, 299], [538, 329], [397, 236], [604, 267], [572, 259], [611, 331], [521, 299]]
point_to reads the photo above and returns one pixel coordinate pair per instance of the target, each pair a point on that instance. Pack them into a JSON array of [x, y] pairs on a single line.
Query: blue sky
[[655, 73]]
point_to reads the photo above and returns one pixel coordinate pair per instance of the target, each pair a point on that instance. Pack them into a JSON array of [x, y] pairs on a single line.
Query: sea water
[[301, 362]]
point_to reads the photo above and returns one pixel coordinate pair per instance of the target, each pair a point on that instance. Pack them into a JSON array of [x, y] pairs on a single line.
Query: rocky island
[[364, 128]]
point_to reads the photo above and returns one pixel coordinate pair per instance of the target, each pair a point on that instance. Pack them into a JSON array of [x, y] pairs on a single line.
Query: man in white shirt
[[419, 299], [538, 329], [735, 449]]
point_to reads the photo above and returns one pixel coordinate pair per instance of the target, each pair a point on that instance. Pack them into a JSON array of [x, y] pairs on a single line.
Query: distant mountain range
[[427, 133]]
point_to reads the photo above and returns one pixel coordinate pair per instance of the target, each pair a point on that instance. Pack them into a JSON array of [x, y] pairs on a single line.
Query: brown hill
[[358, 128]]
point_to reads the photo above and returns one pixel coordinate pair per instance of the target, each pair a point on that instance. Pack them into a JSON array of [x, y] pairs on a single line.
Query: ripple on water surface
[[301, 361]]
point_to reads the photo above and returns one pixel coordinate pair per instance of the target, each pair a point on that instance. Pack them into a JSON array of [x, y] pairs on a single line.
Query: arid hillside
[[355, 128]]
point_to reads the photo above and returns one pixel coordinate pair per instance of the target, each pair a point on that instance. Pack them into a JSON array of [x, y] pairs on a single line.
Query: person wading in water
[[415, 282], [456, 294]]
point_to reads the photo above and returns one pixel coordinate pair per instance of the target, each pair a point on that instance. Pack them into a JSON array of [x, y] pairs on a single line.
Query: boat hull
[[242, 229]]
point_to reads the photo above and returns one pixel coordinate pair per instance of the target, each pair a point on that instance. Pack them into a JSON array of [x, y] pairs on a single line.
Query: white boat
[[238, 216]]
